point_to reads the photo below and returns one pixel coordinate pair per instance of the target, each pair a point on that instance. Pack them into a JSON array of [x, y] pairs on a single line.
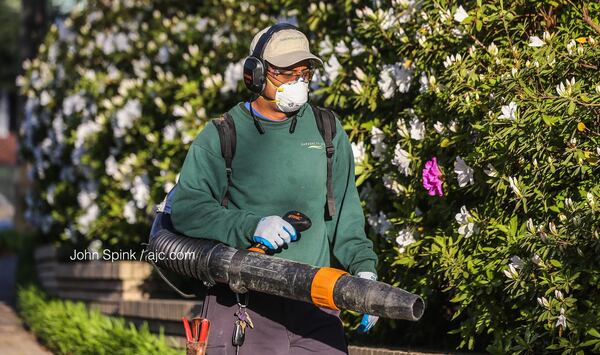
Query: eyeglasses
[[292, 75]]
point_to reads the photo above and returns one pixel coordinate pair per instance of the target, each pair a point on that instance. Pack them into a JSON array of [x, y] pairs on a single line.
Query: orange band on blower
[[321, 290]]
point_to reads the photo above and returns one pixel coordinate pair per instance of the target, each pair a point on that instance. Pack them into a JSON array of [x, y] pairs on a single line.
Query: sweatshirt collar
[[242, 107]]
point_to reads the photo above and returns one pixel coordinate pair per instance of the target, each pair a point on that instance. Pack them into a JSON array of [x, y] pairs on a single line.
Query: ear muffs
[[255, 68], [254, 74]]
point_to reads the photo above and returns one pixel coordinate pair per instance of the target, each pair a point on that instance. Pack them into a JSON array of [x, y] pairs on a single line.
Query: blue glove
[[274, 232], [368, 321]]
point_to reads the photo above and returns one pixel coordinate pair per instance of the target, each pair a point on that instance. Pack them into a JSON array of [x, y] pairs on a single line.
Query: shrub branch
[[588, 19]]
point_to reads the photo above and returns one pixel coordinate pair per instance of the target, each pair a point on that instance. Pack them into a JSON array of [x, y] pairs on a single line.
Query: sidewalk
[[14, 339]]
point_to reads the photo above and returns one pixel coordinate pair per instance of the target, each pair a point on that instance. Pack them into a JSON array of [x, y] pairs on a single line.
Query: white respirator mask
[[289, 97]]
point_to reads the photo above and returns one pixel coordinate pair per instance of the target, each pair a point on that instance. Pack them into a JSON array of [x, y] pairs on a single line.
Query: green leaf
[[555, 263], [550, 120], [593, 332], [589, 342], [459, 297], [571, 108], [514, 224]]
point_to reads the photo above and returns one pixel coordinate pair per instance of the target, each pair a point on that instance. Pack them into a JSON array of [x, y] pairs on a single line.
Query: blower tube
[[245, 270]]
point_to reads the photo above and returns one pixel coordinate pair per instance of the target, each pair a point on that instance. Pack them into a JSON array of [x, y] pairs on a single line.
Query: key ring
[[239, 303]]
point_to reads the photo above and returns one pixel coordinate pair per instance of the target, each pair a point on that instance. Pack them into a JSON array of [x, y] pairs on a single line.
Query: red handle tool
[[204, 328], [186, 326]]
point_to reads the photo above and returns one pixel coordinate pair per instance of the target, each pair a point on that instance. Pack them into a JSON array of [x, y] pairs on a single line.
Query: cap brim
[[289, 59]]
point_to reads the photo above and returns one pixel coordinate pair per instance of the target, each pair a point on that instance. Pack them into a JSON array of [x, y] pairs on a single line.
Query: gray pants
[[281, 326]]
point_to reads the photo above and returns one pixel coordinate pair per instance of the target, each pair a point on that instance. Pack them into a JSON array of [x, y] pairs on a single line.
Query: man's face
[[278, 76]]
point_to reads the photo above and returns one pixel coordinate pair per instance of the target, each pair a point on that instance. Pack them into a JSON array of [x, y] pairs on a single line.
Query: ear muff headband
[[259, 49], [254, 65]]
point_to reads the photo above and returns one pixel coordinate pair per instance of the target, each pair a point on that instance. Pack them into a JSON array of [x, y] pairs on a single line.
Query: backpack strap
[[326, 124], [227, 137]]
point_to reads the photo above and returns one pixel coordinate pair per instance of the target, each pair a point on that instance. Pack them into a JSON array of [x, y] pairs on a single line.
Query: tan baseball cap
[[285, 48]]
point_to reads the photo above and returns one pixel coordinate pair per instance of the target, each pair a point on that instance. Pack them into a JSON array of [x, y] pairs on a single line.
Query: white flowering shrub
[[475, 130], [116, 95]]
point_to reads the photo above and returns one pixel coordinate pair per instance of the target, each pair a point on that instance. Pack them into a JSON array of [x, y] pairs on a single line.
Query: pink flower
[[432, 178]]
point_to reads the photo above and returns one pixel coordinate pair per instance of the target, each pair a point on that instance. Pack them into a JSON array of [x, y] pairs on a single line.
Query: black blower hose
[[242, 270]]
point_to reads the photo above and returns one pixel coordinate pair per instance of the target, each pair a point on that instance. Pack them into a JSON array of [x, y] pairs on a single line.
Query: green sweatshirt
[[274, 173]]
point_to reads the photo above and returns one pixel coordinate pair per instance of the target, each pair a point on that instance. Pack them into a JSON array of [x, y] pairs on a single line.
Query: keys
[[239, 330], [239, 333], [243, 320], [244, 317]]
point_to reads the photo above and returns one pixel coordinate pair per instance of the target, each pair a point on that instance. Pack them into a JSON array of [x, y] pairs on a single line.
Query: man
[[280, 165]]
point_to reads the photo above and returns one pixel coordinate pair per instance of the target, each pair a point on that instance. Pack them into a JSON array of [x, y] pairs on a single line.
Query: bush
[[114, 99], [12, 241], [475, 130], [483, 127], [70, 328]]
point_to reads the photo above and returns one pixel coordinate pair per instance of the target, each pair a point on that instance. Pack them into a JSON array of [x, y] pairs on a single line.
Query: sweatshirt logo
[[313, 145]]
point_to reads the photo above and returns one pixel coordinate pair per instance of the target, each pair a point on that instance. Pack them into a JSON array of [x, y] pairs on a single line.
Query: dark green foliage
[[67, 327]]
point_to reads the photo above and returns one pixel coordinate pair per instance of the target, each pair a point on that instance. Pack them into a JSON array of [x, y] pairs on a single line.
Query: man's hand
[[368, 321], [274, 232]]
